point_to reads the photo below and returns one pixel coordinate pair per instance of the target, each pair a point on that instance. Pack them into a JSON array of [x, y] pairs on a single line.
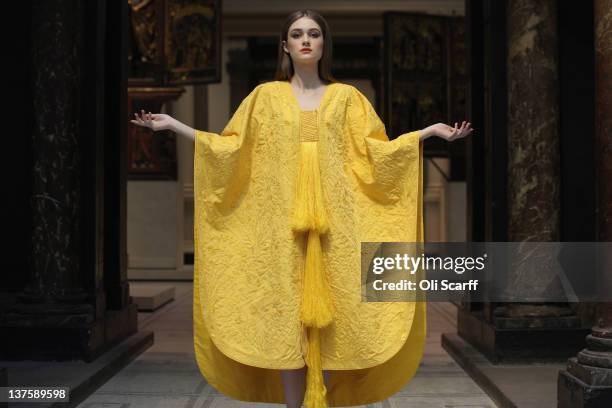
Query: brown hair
[[284, 66]]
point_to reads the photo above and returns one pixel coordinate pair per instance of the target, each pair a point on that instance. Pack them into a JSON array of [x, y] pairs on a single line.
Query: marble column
[[61, 312], [603, 128], [522, 131], [587, 380], [533, 159], [54, 295], [55, 201]]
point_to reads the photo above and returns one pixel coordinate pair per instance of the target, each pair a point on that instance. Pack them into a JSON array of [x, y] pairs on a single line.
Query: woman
[[308, 152]]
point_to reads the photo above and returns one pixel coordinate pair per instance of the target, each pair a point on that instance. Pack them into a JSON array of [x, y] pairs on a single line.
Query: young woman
[[302, 173]]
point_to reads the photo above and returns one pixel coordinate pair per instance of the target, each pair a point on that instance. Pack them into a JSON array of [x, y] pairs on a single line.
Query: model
[[301, 175]]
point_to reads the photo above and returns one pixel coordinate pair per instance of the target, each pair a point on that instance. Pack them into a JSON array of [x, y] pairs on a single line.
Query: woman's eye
[[314, 35]]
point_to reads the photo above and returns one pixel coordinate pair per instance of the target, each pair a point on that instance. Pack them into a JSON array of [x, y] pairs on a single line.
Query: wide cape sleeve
[[248, 260], [222, 161], [388, 172]]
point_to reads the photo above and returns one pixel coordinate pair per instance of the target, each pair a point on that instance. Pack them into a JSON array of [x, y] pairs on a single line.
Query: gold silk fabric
[[248, 261]]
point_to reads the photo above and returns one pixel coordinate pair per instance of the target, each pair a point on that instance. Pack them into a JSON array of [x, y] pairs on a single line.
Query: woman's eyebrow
[[301, 29]]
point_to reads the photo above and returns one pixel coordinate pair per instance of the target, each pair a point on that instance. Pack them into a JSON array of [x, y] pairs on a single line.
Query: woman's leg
[[294, 383], [326, 374]]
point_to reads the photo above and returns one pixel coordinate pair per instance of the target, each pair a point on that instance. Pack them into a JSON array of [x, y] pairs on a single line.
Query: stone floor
[[167, 376]]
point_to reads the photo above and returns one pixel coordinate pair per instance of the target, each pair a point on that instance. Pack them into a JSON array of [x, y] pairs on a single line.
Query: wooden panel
[[424, 84]]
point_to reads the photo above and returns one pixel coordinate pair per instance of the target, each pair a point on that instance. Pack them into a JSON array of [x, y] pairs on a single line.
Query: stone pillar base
[[573, 392], [555, 339], [64, 336]]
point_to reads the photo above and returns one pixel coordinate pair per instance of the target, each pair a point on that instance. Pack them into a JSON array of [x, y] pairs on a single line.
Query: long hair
[[284, 65]]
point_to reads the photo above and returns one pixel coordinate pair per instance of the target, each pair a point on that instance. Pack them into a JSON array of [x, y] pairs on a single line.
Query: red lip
[[305, 50]]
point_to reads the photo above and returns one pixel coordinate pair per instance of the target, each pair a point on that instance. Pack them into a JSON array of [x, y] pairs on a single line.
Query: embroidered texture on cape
[[248, 261]]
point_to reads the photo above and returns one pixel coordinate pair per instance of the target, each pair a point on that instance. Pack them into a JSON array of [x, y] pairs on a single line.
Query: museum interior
[[97, 293]]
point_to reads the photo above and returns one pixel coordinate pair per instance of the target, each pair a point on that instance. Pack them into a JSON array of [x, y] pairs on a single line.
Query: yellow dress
[[249, 261]]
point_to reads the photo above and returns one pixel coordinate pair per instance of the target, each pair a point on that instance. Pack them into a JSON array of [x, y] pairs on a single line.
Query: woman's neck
[[306, 77]]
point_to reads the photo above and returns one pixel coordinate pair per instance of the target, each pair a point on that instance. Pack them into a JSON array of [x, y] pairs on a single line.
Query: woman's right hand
[[154, 121]]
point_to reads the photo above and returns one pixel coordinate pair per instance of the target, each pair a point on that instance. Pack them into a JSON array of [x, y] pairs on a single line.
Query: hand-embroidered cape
[[283, 199]]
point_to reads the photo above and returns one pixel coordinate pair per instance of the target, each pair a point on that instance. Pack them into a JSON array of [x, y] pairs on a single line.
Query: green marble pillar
[[587, 380]]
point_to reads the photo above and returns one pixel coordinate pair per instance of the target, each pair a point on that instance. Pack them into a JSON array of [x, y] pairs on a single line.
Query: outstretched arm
[[446, 132], [161, 121]]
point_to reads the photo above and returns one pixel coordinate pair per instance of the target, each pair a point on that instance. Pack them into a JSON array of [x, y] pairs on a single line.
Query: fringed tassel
[[315, 396], [317, 307], [309, 209]]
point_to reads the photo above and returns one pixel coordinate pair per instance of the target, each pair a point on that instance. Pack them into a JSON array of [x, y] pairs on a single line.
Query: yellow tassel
[[315, 396], [316, 312], [317, 307], [309, 210]]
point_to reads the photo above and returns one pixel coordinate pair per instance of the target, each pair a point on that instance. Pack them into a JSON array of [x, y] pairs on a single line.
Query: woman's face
[[304, 41]]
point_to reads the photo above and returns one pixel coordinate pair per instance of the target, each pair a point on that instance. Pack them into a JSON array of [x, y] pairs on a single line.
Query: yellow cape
[[248, 262]]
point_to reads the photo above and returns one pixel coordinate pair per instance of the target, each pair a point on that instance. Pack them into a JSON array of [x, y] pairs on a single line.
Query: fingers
[[150, 119], [468, 129], [145, 119], [460, 130], [138, 121]]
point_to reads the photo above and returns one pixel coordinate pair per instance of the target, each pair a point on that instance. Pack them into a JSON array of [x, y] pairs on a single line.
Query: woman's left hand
[[449, 133]]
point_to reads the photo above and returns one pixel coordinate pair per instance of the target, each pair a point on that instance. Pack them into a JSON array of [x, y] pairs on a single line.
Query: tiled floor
[[167, 376]]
